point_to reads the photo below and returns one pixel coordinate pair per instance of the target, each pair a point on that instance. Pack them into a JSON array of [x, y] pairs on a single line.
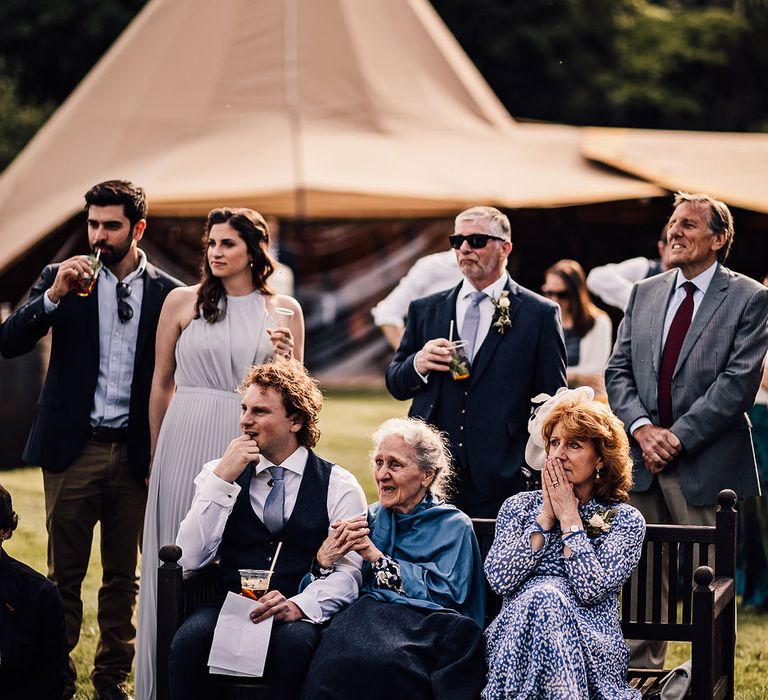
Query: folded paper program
[[239, 647]]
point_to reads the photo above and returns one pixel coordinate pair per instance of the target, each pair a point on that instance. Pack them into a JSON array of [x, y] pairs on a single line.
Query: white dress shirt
[[613, 282], [701, 282], [430, 274], [201, 530]]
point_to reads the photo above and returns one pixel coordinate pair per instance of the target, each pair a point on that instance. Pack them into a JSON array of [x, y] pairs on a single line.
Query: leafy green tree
[[691, 64], [46, 48], [18, 121]]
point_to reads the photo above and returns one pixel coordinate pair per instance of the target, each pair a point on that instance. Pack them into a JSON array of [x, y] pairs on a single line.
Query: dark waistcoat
[[248, 544]]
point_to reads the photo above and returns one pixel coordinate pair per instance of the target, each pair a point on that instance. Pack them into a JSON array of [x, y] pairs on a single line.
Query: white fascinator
[[535, 452]]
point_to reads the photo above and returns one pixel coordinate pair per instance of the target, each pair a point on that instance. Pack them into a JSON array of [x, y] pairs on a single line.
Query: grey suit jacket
[[715, 381]]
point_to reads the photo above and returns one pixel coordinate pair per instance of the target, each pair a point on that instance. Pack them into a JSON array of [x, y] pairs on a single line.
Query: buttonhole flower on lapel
[[501, 316], [599, 523]]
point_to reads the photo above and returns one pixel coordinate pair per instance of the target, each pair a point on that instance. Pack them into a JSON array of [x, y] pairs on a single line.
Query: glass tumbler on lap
[[254, 583]]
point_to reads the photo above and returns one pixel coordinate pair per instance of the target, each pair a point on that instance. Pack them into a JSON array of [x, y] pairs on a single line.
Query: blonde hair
[[593, 420]]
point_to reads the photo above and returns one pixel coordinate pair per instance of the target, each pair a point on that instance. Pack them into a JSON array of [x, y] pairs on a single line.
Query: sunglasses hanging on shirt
[[475, 240], [124, 309]]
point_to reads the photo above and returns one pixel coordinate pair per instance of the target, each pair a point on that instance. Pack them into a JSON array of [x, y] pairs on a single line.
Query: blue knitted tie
[[471, 323], [274, 516]]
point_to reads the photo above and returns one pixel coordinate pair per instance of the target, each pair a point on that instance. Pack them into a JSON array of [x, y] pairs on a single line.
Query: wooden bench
[[701, 604]]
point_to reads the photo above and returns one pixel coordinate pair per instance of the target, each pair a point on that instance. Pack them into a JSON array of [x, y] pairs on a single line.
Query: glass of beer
[[459, 364], [85, 283], [254, 583]]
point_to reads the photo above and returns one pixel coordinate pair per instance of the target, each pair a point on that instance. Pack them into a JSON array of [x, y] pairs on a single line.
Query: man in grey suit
[[686, 366]]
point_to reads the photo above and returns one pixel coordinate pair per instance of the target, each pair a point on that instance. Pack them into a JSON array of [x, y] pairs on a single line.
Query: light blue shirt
[[117, 346]]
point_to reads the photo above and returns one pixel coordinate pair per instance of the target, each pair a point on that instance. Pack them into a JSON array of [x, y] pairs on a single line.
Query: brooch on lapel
[[500, 319]]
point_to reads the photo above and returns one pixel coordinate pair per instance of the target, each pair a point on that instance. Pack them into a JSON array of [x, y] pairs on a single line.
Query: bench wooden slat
[[680, 533], [672, 563], [658, 551], [657, 630], [686, 571]]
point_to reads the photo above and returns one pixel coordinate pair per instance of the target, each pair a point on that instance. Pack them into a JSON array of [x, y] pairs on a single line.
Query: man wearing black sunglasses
[[91, 429], [516, 351]]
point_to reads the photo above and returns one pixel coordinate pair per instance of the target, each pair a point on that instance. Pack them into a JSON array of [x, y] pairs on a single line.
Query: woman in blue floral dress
[[560, 557]]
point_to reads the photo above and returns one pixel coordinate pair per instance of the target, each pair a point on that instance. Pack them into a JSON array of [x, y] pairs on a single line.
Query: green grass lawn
[[347, 421]]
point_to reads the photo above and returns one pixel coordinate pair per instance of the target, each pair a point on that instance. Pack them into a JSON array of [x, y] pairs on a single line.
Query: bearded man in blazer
[[517, 351], [90, 433], [690, 433]]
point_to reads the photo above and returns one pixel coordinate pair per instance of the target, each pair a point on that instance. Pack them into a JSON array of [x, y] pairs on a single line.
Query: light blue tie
[[274, 516], [471, 322]]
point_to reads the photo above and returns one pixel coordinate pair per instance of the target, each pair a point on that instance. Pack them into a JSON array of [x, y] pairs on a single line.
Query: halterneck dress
[[202, 419]]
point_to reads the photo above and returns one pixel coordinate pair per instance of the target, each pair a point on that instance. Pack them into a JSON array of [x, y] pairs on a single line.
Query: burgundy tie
[[680, 324]]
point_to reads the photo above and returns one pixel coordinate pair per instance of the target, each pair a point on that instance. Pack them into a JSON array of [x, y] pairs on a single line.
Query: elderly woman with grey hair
[[416, 625]]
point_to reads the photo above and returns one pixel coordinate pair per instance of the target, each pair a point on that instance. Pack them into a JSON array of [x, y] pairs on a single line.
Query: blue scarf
[[438, 555]]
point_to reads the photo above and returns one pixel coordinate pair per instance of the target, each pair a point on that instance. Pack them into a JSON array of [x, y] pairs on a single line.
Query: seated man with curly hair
[[269, 488]]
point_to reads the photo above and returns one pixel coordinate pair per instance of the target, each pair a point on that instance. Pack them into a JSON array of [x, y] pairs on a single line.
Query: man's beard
[[111, 255]]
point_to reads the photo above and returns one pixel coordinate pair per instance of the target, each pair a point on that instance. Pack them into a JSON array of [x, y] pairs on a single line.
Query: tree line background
[[674, 64]]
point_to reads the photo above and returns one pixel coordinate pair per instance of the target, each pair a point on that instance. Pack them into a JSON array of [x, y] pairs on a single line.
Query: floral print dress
[[558, 634]]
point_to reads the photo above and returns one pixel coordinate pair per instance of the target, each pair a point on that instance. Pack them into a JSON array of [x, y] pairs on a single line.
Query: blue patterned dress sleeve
[[558, 634]]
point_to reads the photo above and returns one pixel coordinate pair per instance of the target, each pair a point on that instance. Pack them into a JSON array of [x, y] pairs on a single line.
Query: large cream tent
[[732, 167], [299, 108]]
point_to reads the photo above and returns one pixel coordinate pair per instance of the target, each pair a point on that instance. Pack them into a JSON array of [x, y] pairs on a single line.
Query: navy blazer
[[486, 416], [62, 418]]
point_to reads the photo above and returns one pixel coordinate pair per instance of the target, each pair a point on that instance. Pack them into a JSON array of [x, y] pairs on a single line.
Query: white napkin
[[239, 647]]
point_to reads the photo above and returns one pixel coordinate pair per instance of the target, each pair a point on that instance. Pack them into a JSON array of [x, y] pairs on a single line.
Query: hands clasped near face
[[560, 502]]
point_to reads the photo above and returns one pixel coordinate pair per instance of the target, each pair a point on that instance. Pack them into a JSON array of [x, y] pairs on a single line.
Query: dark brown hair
[[252, 229], [133, 198], [583, 311], [302, 397]]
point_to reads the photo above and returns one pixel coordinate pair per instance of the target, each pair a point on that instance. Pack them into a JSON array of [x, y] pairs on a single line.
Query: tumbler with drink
[[459, 363], [254, 583], [86, 283]]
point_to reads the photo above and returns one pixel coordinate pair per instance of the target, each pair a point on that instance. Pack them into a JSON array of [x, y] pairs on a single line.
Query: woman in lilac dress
[[559, 559], [207, 338]]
